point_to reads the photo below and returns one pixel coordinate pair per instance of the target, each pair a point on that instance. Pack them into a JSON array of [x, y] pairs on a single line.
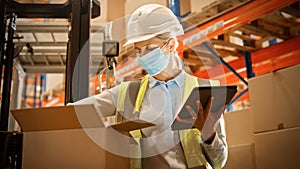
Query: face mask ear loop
[[167, 53], [165, 43]]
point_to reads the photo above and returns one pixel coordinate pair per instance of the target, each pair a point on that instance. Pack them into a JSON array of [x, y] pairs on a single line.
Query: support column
[[3, 6], [7, 75], [77, 72], [248, 62], [17, 89], [6, 91], [181, 8], [214, 53]]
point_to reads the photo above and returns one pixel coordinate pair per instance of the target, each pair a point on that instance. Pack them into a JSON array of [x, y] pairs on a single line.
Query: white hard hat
[[151, 20]]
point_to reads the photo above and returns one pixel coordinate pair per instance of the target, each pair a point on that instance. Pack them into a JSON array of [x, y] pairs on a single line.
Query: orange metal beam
[[265, 60], [240, 16], [56, 101]]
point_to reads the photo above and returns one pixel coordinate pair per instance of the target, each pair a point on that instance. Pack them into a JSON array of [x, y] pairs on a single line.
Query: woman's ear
[[172, 45]]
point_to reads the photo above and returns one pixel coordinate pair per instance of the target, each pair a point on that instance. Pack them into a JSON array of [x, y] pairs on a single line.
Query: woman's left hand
[[205, 120]]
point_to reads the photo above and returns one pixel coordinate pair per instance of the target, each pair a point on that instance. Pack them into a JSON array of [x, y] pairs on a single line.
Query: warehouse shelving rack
[[242, 16]]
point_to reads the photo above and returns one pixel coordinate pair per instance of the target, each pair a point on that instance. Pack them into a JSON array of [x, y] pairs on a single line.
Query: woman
[[152, 30]]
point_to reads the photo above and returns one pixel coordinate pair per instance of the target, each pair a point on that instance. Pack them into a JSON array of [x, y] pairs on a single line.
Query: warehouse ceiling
[[44, 45], [43, 42]]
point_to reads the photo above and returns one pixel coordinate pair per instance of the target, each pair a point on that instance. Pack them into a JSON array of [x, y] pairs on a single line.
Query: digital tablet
[[222, 96]]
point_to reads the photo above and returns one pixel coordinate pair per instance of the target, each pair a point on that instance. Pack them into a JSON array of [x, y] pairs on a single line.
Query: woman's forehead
[[147, 42]]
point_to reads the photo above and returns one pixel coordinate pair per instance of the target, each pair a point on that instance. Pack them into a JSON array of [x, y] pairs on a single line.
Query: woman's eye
[[138, 52], [150, 48]]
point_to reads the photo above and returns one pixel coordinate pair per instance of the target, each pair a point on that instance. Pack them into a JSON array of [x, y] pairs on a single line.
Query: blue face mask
[[154, 62]]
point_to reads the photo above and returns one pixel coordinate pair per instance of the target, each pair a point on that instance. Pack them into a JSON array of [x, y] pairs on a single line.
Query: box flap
[[57, 118], [68, 117], [131, 125]]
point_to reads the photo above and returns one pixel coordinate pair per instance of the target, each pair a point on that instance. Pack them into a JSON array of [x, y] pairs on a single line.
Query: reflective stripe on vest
[[190, 139], [121, 96], [141, 94]]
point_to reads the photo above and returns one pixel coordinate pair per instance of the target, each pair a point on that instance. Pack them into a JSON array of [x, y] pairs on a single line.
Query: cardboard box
[[274, 99], [241, 156], [278, 149], [185, 7], [114, 11], [73, 137], [239, 127]]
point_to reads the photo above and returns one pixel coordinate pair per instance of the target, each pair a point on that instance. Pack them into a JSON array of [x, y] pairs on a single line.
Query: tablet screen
[[222, 96]]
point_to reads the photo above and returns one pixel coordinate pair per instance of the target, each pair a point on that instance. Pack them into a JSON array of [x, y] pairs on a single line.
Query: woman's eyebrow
[[145, 45], [137, 48]]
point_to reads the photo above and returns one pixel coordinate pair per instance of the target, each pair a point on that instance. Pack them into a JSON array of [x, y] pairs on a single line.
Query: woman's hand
[[205, 120]]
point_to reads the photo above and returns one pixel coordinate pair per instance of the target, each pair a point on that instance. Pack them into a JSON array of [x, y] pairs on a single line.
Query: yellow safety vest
[[190, 138]]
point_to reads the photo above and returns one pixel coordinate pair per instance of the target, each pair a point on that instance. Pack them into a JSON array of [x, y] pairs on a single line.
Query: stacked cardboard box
[[278, 149], [264, 137], [276, 118], [239, 131], [73, 137], [239, 127], [241, 156]]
